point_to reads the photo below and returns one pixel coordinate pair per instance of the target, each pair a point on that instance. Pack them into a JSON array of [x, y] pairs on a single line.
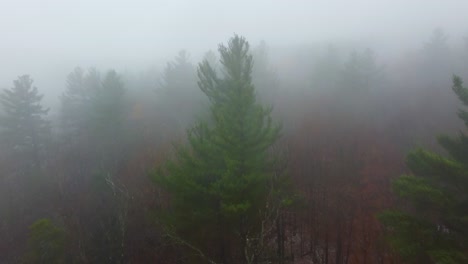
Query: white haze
[[48, 38]]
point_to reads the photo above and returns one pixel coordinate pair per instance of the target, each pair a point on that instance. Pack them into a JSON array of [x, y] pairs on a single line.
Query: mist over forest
[[233, 131]]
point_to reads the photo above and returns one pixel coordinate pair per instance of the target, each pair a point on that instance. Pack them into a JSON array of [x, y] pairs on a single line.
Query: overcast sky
[[47, 37]]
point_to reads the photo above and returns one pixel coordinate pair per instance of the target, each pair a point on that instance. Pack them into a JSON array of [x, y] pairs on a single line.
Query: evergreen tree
[[212, 59], [109, 104], [23, 127], [434, 228], [76, 102], [24, 135], [94, 112], [221, 185], [178, 96], [263, 75], [361, 72], [107, 121]]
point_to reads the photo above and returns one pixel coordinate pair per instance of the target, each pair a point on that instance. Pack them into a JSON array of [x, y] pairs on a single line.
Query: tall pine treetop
[[23, 121], [23, 98], [224, 178]]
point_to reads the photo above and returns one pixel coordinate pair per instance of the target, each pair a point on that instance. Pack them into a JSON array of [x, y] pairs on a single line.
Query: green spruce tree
[[23, 128], [94, 116], [222, 186], [433, 226], [179, 98], [107, 122], [76, 102]]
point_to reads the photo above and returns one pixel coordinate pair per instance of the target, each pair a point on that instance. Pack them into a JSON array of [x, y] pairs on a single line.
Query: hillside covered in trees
[[198, 167], [320, 152]]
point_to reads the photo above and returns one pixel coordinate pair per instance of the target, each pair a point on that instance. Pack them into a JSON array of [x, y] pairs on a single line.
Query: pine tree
[[221, 185], [108, 131], [434, 228], [361, 73], [76, 102], [109, 104], [23, 126], [178, 96], [212, 59], [94, 111], [264, 77]]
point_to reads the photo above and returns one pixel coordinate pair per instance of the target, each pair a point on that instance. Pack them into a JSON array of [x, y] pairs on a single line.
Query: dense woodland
[[320, 154]]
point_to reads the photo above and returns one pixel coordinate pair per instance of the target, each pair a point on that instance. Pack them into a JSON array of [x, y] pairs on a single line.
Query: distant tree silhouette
[[24, 129]]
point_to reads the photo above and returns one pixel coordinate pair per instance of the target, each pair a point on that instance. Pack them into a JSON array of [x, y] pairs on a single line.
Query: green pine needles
[[434, 228], [222, 186]]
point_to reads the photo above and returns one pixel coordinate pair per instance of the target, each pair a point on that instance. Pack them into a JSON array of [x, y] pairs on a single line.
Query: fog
[[233, 132], [47, 39]]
